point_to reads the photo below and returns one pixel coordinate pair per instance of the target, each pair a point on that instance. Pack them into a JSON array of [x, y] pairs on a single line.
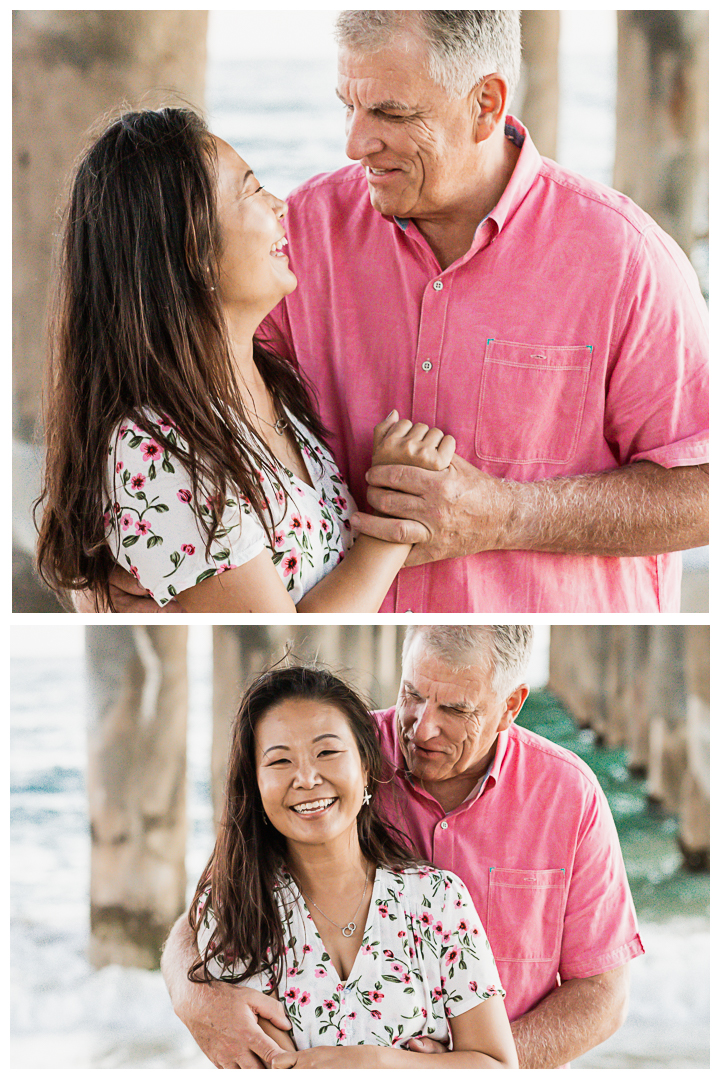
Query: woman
[[310, 896], [179, 447]]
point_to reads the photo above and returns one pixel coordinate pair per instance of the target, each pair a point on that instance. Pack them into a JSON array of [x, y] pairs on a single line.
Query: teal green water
[[661, 887]]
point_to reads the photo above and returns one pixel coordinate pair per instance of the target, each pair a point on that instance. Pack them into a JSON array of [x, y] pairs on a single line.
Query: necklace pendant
[[280, 425], [349, 930]]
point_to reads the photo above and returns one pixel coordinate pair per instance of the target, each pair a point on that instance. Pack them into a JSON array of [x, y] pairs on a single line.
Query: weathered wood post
[[538, 96], [137, 678], [662, 94], [69, 68]]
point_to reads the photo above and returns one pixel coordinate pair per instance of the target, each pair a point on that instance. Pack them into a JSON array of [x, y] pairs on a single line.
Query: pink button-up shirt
[[538, 849], [571, 338]]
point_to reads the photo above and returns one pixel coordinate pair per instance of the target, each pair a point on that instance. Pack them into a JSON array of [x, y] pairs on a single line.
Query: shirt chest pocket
[[525, 913], [532, 399]]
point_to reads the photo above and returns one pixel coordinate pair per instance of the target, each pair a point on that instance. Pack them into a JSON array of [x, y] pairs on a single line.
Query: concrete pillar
[[537, 98], [137, 678], [662, 109], [694, 838], [69, 69], [667, 707]]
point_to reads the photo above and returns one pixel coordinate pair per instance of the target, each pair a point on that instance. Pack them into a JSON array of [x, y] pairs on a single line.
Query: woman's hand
[[400, 442], [326, 1057], [426, 1045]]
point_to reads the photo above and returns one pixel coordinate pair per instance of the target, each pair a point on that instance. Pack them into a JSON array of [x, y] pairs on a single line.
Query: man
[[543, 320], [523, 822]]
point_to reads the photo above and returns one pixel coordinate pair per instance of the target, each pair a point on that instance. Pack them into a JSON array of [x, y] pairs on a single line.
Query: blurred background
[[118, 744], [620, 96]]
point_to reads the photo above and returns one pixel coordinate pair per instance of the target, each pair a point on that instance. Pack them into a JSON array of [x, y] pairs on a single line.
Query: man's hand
[[221, 1017], [445, 514], [639, 509], [400, 442], [128, 597], [226, 1027]]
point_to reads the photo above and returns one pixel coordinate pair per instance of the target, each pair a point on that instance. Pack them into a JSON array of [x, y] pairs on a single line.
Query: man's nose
[[361, 135], [425, 725]]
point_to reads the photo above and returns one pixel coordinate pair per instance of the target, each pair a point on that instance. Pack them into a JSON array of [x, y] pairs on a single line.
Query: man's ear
[[490, 99], [513, 704]]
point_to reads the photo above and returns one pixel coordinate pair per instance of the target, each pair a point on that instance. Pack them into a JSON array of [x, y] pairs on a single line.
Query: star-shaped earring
[[366, 797]]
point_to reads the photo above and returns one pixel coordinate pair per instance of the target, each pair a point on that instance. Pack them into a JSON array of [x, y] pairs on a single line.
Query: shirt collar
[[526, 169]]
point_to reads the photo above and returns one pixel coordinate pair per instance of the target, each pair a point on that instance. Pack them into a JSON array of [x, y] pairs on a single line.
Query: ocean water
[[65, 1014]]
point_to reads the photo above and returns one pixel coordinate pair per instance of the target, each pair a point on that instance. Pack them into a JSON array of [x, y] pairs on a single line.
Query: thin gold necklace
[[349, 929]]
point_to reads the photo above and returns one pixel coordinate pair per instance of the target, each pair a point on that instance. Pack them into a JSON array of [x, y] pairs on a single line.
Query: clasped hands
[[347, 1057], [426, 495]]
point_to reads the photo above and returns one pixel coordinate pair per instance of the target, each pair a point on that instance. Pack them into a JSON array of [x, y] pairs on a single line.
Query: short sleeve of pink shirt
[[570, 339], [539, 853]]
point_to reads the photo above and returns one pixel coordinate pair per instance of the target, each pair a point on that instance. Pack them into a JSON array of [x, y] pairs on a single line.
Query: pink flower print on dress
[[134, 572], [328, 1005], [462, 925], [291, 562], [151, 451], [389, 953], [292, 993], [142, 528], [226, 566], [304, 998], [375, 1014], [375, 995], [126, 522], [184, 495], [307, 948], [308, 525], [320, 974], [189, 549], [383, 909], [472, 985], [119, 467], [138, 482], [324, 525], [426, 918], [397, 967], [339, 501], [296, 522], [278, 539], [451, 957]]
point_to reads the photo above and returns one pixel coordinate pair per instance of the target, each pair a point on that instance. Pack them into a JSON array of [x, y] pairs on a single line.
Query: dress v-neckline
[[368, 927]]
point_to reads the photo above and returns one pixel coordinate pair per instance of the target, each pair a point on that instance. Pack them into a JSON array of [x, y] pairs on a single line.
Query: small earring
[[264, 818], [366, 797]]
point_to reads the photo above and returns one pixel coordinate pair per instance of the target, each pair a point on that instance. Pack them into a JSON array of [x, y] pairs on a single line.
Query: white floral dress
[[154, 530], [424, 958]]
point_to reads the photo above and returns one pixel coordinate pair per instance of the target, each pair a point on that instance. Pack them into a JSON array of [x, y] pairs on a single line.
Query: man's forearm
[[571, 1020], [640, 509]]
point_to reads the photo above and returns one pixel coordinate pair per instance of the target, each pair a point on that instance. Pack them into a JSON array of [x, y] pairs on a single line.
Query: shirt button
[[443, 824], [437, 285], [427, 366]]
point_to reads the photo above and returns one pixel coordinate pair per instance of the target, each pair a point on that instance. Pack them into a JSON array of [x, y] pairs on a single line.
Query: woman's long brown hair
[[139, 333], [239, 880]]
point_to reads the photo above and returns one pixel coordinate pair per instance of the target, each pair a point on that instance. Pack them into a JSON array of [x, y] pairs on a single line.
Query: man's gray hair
[[462, 46], [505, 650]]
